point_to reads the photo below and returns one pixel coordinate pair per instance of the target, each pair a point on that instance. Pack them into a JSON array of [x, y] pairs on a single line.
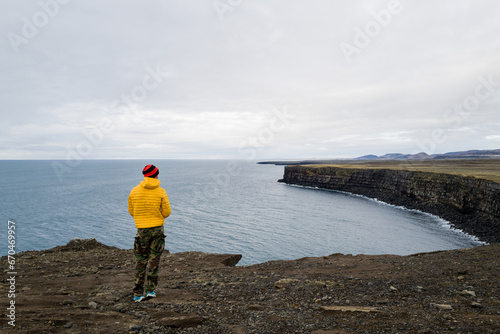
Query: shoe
[[151, 294], [138, 299]]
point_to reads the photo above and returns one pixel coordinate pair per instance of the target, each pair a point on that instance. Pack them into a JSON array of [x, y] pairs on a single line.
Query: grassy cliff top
[[488, 169]]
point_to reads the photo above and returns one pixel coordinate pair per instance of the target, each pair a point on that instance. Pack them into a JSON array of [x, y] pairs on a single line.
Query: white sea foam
[[445, 224]]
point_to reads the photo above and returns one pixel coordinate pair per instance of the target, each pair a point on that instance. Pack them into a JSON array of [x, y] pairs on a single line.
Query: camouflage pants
[[148, 246]]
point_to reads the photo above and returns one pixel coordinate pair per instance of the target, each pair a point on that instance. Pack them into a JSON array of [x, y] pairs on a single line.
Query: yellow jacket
[[148, 204]]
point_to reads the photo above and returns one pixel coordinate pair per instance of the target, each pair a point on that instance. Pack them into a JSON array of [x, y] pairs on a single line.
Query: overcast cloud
[[261, 79]]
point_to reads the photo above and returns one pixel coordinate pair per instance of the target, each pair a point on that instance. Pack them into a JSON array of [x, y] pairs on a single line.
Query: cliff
[[468, 203], [86, 287]]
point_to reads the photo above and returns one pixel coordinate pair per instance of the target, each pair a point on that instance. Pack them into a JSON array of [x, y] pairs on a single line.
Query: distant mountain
[[396, 156], [471, 154], [420, 156], [368, 157]]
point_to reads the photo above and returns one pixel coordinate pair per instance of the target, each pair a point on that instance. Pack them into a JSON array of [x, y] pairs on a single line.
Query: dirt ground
[[85, 287]]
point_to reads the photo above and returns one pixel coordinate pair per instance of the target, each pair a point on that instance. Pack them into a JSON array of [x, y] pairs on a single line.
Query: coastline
[[470, 204], [85, 287]]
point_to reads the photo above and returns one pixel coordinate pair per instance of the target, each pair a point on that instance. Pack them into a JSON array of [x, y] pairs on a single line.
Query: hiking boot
[[151, 294], [138, 299]]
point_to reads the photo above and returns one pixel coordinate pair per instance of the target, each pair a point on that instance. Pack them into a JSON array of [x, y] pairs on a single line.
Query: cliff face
[[470, 204]]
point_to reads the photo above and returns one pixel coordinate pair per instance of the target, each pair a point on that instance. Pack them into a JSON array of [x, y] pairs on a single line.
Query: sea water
[[218, 206]]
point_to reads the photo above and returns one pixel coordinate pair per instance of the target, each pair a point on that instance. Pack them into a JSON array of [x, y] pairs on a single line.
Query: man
[[148, 204]]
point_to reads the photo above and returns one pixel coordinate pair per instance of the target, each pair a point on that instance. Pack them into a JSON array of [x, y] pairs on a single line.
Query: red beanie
[[150, 171]]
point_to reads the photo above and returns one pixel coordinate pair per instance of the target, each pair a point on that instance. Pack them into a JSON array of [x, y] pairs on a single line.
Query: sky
[[247, 79]]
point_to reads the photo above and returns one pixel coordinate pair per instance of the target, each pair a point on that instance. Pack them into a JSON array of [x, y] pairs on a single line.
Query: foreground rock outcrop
[[470, 204], [85, 287]]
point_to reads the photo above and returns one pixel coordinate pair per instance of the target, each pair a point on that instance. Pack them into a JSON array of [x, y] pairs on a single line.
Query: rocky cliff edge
[[468, 203], [85, 287]]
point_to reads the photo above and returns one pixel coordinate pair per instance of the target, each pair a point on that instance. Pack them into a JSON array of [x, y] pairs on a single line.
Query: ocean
[[218, 206]]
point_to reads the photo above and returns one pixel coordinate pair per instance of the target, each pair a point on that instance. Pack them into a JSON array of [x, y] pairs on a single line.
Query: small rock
[[93, 305], [442, 306], [67, 302], [119, 308], [468, 293], [68, 325], [231, 260], [341, 309], [393, 289], [476, 305]]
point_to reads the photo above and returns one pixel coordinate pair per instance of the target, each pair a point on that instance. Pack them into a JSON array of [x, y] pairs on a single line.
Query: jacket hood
[[150, 183]]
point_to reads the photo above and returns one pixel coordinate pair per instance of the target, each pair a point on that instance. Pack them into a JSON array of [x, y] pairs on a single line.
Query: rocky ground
[[85, 287]]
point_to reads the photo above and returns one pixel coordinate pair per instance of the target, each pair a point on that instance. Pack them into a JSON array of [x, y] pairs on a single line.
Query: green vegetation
[[488, 169]]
